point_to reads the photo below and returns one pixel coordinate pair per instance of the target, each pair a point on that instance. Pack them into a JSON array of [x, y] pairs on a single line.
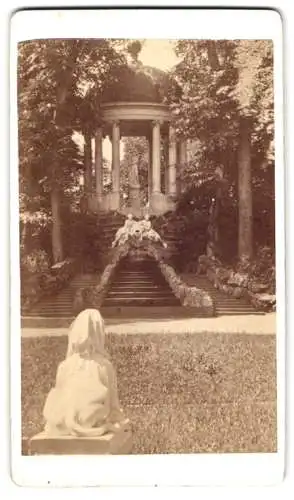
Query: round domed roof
[[138, 84]]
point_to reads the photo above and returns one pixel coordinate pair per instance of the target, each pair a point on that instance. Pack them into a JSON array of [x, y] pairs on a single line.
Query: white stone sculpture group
[[141, 230], [84, 401]]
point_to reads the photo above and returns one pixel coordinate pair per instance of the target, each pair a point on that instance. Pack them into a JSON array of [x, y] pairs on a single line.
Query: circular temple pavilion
[[135, 107]]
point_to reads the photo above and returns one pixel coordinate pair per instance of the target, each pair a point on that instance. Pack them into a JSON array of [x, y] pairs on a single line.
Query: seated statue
[[84, 401], [149, 233], [124, 232]]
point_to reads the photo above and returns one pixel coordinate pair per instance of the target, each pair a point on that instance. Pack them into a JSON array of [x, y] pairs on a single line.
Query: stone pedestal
[[119, 443], [134, 205], [110, 202], [160, 203], [107, 202]]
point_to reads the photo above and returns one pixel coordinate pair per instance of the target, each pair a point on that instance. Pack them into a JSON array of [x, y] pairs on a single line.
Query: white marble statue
[[134, 175], [124, 232], [84, 401], [148, 232]]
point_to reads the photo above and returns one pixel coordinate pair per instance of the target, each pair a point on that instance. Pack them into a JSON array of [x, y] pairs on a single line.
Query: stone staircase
[[58, 309], [140, 290], [225, 305]]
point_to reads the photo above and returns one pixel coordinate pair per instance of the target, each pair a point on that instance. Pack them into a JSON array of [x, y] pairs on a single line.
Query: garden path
[[248, 324]]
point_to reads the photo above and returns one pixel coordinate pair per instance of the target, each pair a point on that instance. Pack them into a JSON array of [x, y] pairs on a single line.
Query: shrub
[[36, 262]]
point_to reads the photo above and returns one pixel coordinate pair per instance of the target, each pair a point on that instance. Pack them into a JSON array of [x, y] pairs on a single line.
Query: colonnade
[[176, 153]]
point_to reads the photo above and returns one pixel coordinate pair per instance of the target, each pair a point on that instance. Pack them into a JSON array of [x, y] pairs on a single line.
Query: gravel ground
[[251, 324], [184, 393]]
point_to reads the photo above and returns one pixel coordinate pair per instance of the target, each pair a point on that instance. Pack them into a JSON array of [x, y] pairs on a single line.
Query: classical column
[[99, 163], [150, 168], [156, 157], [172, 163], [115, 163], [166, 166]]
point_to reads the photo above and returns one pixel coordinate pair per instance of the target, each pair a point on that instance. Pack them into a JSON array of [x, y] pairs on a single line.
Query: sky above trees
[[159, 54]]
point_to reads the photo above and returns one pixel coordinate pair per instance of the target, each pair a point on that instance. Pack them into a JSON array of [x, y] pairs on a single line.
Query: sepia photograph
[[147, 246]]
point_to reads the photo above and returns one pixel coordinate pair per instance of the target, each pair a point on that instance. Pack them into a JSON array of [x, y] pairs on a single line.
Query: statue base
[[134, 204], [160, 204], [118, 443], [107, 202]]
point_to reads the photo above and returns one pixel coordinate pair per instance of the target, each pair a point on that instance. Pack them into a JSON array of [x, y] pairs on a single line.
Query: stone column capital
[[115, 123], [157, 123], [99, 132]]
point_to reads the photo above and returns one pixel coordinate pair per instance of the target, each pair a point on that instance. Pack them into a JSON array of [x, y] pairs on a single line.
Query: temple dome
[[138, 83]]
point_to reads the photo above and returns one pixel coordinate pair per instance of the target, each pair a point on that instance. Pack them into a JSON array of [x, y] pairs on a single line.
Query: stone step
[[141, 277], [138, 301], [223, 300], [238, 313], [117, 288], [138, 274], [141, 289], [84, 282], [161, 293], [163, 312], [48, 314], [129, 282], [52, 309]]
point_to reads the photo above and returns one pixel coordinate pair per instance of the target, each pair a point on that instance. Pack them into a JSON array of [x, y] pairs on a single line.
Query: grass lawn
[[184, 393]]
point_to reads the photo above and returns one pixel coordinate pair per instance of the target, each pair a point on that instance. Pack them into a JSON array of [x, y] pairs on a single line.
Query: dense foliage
[[219, 90], [60, 87], [222, 84]]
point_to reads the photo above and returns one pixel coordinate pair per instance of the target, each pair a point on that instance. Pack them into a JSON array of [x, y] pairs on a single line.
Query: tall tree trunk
[[87, 165], [245, 244], [57, 247], [212, 55], [66, 79], [23, 236], [61, 94]]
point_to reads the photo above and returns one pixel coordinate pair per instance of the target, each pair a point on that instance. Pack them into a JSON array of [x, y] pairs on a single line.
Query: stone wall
[[237, 283]]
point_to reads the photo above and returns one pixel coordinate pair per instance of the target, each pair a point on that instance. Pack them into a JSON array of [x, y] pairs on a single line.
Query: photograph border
[[148, 470]]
